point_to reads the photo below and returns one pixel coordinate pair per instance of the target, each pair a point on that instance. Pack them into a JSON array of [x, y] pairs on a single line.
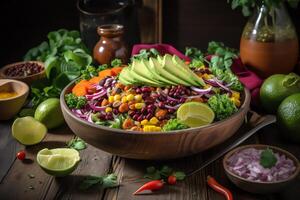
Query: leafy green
[[222, 106], [198, 58], [116, 62], [65, 56], [248, 5], [174, 124], [75, 102], [267, 158], [163, 173], [221, 63], [146, 54], [77, 144], [106, 181], [116, 123]]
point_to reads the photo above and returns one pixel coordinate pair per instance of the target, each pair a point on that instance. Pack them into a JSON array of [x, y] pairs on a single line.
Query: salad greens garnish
[[146, 54], [163, 173], [75, 102], [106, 181], [222, 106], [267, 158], [64, 55], [197, 56], [174, 124], [77, 143], [116, 62]]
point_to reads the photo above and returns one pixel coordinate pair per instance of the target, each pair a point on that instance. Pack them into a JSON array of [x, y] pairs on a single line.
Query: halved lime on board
[[28, 131], [58, 162], [195, 114]]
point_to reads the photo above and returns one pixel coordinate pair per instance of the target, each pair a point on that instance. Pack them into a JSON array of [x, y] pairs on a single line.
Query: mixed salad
[[159, 92]]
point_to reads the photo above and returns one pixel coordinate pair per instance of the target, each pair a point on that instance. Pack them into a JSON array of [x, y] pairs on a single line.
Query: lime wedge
[[195, 114], [28, 131], [58, 162]]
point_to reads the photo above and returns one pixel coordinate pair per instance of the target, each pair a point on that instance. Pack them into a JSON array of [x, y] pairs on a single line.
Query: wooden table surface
[[17, 182]]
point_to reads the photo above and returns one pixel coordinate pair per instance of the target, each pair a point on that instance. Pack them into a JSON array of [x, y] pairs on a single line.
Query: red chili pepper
[[21, 155], [152, 185], [172, 180], [219, 188]]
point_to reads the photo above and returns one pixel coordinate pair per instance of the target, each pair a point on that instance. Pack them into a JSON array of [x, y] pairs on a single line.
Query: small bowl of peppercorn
[[26, 71]]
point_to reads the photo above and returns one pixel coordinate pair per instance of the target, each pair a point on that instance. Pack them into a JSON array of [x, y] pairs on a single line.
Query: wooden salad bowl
[[155, 145]]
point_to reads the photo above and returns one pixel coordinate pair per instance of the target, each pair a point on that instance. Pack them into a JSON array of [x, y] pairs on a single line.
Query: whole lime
[[288, 116], [276, 88], [49, 113]]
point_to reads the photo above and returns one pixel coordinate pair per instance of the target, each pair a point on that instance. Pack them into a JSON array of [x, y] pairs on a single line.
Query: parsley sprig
[[163, 173], [77, 143], [105, 181], [267, 158]]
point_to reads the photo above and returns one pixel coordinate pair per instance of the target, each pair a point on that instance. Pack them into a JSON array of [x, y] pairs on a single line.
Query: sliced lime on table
[[195, 114], [28, 131], [58, 162]]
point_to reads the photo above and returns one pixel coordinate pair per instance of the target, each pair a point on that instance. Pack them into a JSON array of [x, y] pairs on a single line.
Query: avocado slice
[[125, 78], [155, 75], [176, 60], [141, 69], [141, 79], [177, 70], [155, 65]]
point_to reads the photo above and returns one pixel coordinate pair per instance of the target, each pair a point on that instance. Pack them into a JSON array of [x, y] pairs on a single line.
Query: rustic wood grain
[[18, 184], [8, 148], [93, 162]]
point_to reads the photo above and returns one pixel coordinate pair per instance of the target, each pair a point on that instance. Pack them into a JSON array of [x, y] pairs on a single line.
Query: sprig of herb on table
[[105, 181], [163, 173], [77, 143], [267, 158]]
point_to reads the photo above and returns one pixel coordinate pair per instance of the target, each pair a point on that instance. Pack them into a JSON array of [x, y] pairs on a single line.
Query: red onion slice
[[201, 91], [97, 108]]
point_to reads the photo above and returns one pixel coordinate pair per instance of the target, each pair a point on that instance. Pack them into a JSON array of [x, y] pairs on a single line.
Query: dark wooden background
[[185, 22]]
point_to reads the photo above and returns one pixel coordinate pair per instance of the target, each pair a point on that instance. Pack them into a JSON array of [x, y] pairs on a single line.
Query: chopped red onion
[[97, 108], [246, 163], [222, 86], [96, 95], [201, 91]]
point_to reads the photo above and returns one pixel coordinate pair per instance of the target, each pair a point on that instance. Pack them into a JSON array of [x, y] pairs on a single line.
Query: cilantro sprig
[[105, 181], [163, 173], [77, 143], [267, 158]]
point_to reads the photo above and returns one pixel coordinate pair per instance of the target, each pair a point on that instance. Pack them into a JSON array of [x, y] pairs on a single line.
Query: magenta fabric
[[247, 77]]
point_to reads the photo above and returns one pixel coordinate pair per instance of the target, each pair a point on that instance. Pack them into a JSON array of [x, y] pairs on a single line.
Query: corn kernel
[[206, 76], [124, 100], [139, 105], [144, 122], [130, 97], [108, 109], [117, 97], [138, 97], [151, 128], [153, 120], [235, 94], [236, 101], [111, 99]]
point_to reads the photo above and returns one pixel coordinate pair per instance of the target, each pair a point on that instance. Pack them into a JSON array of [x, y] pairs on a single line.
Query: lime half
[[28, 130], [58, 162], [195, 114]]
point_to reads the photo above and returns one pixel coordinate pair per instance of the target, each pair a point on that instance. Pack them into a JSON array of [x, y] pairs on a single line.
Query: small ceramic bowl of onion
[[261, 169]]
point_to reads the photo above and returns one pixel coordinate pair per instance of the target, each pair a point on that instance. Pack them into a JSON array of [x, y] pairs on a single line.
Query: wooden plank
[[8, 147], [93, 162], [18, 184]]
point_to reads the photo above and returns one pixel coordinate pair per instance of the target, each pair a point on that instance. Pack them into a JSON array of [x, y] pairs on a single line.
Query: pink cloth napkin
[[247, 77]]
